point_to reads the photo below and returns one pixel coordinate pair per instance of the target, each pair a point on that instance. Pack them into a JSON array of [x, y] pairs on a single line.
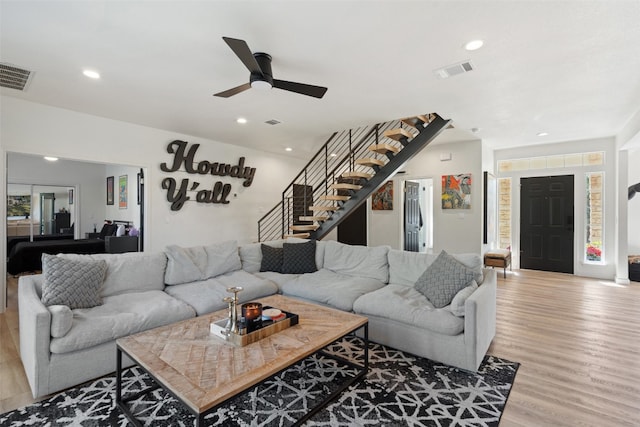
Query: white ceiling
[[569, 68]]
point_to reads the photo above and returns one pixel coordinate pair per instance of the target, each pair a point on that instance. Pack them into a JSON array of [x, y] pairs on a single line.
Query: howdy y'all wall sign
[[177, 194]]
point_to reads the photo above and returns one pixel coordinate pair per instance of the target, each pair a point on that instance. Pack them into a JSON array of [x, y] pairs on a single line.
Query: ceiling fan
[[259, 64]]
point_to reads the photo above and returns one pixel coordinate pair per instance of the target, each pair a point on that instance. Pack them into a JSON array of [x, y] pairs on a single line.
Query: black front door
[[546, 223], [411, 216]]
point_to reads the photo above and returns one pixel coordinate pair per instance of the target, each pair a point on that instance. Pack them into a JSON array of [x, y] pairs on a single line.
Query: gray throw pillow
[[442, 280], [75, 284], [299, 258], [271, 258]]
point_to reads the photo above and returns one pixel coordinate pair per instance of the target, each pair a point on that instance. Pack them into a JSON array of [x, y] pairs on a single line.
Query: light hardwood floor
[[577, 339]]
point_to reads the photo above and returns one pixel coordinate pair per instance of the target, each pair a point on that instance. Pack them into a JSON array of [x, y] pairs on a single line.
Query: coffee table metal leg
[[363, 369]]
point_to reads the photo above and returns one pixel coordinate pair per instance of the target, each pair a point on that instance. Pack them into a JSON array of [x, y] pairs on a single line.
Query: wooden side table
[[498, 258]]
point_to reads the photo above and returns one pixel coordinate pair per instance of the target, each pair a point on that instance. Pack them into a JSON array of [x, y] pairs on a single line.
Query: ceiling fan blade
[[242, 51], [301, 88], [236, 90]]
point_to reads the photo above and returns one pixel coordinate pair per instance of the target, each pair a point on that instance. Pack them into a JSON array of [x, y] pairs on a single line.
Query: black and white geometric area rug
[[399, 390]]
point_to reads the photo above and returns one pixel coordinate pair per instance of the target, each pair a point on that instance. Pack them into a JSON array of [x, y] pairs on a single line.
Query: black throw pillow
[[271, 258], [299, 258]]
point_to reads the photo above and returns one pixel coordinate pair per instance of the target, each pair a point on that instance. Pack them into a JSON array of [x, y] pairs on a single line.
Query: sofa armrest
[[35, 334], [480, 318]]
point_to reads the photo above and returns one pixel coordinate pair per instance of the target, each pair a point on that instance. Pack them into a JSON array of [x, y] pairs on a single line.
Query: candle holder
[[232, 322], [252, 313]]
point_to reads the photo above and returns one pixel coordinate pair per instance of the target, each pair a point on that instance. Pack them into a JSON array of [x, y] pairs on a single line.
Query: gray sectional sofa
[[61, 347]]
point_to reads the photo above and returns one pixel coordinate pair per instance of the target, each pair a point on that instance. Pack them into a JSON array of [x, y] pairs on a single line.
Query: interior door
[[412, 216], [546, 223], [47, 208]]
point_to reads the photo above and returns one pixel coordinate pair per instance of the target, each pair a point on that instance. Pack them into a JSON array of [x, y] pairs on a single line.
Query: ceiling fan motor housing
[[264, 61]]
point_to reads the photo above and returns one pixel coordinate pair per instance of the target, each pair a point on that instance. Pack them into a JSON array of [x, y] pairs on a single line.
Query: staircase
[[348, 168]]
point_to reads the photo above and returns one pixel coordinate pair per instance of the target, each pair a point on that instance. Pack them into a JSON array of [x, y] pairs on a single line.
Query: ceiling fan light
[[260, 84]]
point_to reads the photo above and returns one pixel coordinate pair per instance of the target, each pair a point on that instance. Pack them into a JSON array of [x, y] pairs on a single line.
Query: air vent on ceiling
[[273, 122], [14, 77], [455, 69]]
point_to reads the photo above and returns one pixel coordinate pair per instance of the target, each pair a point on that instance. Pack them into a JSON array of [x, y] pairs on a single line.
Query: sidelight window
[[594, 250]]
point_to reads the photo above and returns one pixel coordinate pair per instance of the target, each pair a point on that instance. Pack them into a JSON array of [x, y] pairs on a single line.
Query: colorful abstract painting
[[382, 199], [123, 193], [456, 191]]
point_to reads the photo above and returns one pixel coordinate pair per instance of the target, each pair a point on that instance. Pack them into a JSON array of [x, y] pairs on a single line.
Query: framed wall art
[[109, 190], [456, 191], [123, 192], [382, 199]]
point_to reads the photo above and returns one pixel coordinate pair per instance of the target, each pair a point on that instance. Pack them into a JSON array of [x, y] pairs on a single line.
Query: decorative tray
[[269, 327]]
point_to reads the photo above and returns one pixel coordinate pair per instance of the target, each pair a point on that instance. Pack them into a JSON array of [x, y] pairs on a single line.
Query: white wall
[[634, 204], [608, 145], [31, 128], [72, 135], [455, 231]]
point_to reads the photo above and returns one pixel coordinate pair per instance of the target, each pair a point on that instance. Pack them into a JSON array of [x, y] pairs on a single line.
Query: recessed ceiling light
[[91, 74], [542, 133], [474, 45], [333, 155], [288, 149], [241, 120], [51, 159]]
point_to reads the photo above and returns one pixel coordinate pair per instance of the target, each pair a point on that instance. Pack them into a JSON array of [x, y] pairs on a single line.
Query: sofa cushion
[[358, 261], [406, 267], [299, 258], [278, 278], [330, 288], [130, 271], [407, 305], [207, 295], [75, 284], [186, 265], [61, 320], [443, 279], [271, 258], [459, 300], [119, 316]]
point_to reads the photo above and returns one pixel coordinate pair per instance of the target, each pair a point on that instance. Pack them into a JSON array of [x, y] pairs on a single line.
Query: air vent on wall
[[14, 77], [273, 122], [455, 69]]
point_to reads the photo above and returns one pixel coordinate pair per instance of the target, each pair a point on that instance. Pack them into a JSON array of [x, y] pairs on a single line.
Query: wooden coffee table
[[203, 371]]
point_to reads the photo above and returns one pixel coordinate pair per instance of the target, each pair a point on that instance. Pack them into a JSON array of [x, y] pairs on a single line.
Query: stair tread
[[314, 218], [324, 208], [357, 174], [384, 148], [345, 186], [310, 227], [368, 161], [416, 121], [398, 134], [334, 197], [298, 235]]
